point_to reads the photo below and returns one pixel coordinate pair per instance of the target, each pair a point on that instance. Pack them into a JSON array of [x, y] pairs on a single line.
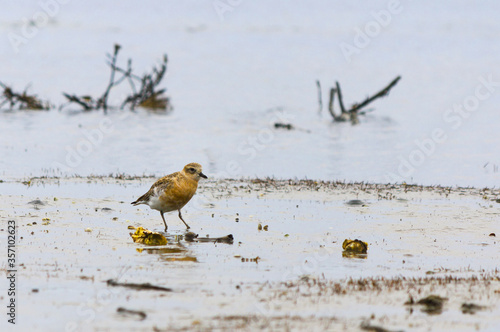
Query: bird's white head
[[193, 171]]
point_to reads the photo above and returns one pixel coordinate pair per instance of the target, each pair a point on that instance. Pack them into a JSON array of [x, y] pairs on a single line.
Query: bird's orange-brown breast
[[179, 193]]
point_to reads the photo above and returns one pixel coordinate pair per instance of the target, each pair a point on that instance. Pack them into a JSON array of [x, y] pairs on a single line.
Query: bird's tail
[[140, 200]]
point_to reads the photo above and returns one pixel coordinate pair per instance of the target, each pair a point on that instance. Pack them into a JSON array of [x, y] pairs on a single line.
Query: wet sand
[[73, 236]]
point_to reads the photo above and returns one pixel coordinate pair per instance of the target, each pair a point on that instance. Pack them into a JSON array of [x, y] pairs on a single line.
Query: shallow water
[[229, 75]]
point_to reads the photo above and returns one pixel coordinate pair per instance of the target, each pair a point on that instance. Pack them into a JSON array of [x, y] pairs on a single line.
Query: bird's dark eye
[[192, 170]]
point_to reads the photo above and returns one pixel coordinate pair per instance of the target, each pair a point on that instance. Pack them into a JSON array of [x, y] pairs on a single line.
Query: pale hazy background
[[232, 72]]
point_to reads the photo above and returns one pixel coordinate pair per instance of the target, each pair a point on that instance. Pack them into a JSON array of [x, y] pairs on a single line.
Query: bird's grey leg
[[180, 216], [161, 212]]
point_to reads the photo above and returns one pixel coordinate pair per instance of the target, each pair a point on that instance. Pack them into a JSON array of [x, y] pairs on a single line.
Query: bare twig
[[88, 103], [320, 98], [103, 101], [85, 102], [193, 237], [145, 286], [341, 102], [142, 315], [382, 93], [127, 74], [330, 102]]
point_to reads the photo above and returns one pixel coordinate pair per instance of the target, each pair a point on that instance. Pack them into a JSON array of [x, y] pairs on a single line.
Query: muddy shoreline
[[73, 237]]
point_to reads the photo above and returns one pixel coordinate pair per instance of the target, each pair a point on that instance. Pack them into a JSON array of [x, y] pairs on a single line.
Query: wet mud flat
[[432, 260]]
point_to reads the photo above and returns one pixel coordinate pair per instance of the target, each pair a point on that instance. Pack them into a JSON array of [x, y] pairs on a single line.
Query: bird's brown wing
[[162, 184]]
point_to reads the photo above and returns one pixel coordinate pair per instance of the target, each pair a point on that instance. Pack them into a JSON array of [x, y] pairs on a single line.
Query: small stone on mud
[[471, 308], [433, 304], [287, 126], [355, 202], [126, 312], [36, 202]]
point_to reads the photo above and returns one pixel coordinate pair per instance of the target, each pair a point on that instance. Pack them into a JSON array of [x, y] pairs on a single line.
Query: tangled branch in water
[[148, 95], [355, 110], [22, 101]]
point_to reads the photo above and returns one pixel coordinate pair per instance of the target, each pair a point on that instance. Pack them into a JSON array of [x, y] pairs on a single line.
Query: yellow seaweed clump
[[148, 237], [354, 248]]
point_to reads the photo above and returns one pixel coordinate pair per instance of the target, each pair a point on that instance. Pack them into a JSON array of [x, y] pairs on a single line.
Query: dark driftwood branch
[[142, 315], [127, 74], [103, 101], [330, 102], [354, 111], [320, 98], [87, 102], [145, 286], [87, 105], [341, 102], [382, 93]]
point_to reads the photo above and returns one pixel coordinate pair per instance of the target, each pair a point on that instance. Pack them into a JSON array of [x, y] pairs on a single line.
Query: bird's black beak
[[203, 175]]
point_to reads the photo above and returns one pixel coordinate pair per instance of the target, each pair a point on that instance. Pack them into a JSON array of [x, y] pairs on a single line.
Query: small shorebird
[[173, 191]]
